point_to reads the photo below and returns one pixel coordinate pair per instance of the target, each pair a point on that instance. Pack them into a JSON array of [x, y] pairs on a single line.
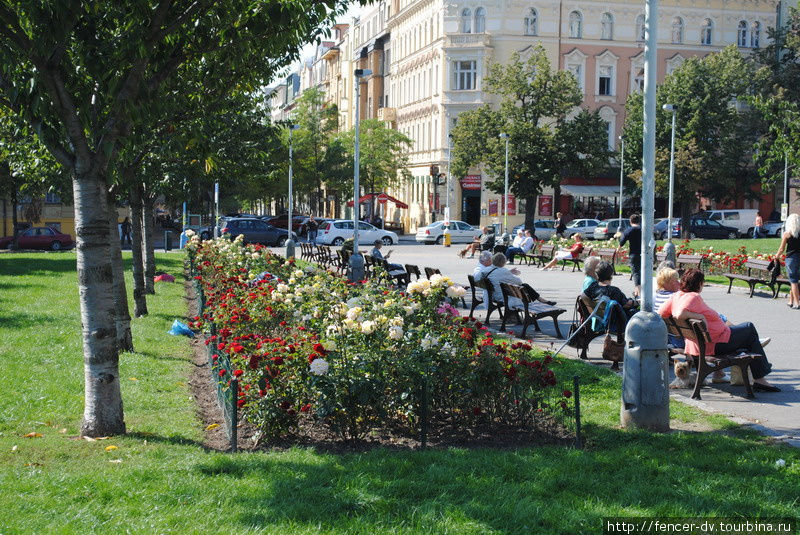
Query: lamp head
[[294, 127], [503, 136], [670, 108]]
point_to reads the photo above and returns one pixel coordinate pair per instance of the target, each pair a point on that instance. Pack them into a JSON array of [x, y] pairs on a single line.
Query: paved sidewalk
[[774, 413]]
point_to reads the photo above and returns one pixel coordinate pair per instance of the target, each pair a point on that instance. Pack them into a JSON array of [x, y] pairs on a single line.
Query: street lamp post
[[446, 240], [505, 189], [356, 261], [669, 247], [621, 177], [216, 209], [645, 397], [290, 245]]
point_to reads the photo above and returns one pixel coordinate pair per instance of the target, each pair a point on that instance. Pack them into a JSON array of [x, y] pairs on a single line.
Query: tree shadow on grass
[[532, 490], [39, 264], [154, 356], [174, 440], [22, 320]]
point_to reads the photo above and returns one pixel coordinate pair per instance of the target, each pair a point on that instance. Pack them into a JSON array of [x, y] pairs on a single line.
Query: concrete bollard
[[645, 394], [356, 272], [669, 251], [290, 247]]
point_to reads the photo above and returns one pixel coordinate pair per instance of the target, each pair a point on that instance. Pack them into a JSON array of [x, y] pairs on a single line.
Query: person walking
[[790, 242], [313, 228], [633, 236], [559, 225], [758, 228], [125, 232]]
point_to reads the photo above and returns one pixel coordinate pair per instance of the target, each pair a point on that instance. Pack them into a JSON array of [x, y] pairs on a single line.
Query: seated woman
[[573, 252], [687, 304], [500, 274], [602, 288], [590, 272], [484, 242]]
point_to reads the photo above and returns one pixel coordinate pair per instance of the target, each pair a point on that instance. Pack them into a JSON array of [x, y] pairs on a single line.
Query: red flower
[[476, 411], [306, 407], [237, 373], [312, 357], [319, 348], [222, 373], [567, 394], [240, 403]]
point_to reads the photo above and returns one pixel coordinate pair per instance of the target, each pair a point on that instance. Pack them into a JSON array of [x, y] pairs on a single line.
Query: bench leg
[[697, 385], [752, 289], [746, 380], [729, 286], [555, 324]]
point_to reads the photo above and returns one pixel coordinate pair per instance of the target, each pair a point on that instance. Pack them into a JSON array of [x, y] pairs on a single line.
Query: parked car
[[460, 232], [256, 231], [584, 227], [741, 219], [609, 227], [702, 227], [335, 232], [38, 238], [280, 221], [544, 229], [774, 229], [660, 229], [207, 232]]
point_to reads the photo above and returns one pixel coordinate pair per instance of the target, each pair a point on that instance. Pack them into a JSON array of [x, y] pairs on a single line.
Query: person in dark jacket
[[125, 228], [559, 225], [633, 236]]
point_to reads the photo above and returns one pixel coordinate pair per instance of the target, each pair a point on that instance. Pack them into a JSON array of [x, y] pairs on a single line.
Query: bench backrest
[[757, 265], [413, 270], [660, 256], [512, 290], [430, 272], [606, 254], [474, 286], [547, 249], [694, 330], [586, 305], [690, 259]]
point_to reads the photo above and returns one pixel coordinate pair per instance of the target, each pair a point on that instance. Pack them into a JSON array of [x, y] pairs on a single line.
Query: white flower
[[292, 280], [428, 342], [329, 345], [395, 332], [353, 301], [189, 233], [350, 324], [319, 366], [333, 329], [419, 286], [368, 327], [298, 274], [455, 291], [282, 288], [780, 463], [408, 310], [316, 314], [354, 313], [396, 321]]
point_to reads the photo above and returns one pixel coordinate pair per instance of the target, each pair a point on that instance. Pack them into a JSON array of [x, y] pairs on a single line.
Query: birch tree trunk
[[139, 297], [102, 414], [122, 316], [148, 250]]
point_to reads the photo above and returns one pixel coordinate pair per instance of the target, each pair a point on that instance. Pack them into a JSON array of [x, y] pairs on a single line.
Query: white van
[[742, 219]]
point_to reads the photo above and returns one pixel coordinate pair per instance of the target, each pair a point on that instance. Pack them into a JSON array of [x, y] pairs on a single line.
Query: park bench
[[530, 256], [660, 257], [609, 255], [780, 281], [690, 260], [697, 331], [430, 272], [758, 272], [343, 261], [584, 307], [545, 254], [533, 308], [413, 270], [477, 287], [576, 262], [398, 277], [324, 256]]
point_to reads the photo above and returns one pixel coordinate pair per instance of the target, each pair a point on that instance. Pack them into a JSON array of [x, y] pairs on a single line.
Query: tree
[[544, 142], [714, 133], [82, 74]]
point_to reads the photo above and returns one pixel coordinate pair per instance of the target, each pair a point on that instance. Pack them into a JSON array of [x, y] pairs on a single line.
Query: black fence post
[[424, 412], [576, 385], [234, 414]]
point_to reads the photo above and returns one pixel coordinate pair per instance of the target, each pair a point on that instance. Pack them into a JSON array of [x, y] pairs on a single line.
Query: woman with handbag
[[790, 242]]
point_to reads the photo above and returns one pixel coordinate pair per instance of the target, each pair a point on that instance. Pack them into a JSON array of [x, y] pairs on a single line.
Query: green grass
[[762, 245], [167, 482]]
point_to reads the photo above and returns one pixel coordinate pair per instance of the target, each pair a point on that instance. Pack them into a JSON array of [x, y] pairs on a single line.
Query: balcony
[[467, 40], [387, 114]]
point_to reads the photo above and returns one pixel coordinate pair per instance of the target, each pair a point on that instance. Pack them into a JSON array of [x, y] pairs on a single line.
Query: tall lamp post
[[356, 260], [289, 241], [447, 239], [669, 247], [505, 189], [216, 209], [645, 397], [621, 177]]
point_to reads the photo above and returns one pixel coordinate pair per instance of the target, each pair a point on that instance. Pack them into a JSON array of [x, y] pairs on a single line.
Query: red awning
[[382, 198]]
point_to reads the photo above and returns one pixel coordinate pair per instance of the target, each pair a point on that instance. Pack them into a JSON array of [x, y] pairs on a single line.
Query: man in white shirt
[[499, 274], [522, 244]]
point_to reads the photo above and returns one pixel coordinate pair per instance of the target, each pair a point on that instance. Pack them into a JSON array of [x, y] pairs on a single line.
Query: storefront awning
[[382, 198], [590, 191]]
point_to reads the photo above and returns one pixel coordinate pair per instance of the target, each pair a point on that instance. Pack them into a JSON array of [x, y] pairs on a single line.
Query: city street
[[775, 412]]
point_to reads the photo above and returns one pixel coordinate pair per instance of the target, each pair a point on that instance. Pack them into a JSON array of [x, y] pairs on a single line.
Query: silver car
[[460, 232], [584, 227], [544, 229]]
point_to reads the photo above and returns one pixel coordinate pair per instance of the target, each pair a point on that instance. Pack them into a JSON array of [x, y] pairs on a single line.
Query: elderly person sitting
[[590, 272], [484, 266], [602, 288], [522, 245], [500, 274], [687, 304]]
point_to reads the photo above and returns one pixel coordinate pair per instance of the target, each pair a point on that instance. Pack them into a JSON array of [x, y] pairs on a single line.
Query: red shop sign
[[471, 182]]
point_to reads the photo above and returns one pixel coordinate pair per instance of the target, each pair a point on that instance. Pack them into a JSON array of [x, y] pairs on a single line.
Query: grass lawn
[[160, 479], [761, 245]]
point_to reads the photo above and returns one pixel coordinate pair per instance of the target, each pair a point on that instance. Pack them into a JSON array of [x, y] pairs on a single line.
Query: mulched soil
[[313, 434]]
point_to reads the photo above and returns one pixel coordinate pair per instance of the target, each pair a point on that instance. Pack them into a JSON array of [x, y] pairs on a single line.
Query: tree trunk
[[122, 315], [14, 215], [686, 210], [148, 250], [102, 413], [530, 212], [139, 291]]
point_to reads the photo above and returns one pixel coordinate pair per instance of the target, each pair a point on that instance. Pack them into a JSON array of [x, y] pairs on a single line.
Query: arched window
[[466, 21], [532, 23], [706, 30], [741, 33], [755, 34], [575, 25], [480, 20], [640, 28], [607, 26], [677, 30]]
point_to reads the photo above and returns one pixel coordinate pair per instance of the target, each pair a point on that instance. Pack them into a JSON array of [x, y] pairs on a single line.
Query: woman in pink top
[[687, 304]]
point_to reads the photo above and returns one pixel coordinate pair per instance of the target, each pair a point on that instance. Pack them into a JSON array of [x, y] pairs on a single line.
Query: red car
[[38, 238], [280, 221]]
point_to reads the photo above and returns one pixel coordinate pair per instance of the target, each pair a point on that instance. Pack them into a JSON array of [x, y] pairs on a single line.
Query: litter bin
[[167, 240]]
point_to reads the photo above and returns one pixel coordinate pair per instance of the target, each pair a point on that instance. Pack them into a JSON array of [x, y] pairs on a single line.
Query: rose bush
[[355, 357]]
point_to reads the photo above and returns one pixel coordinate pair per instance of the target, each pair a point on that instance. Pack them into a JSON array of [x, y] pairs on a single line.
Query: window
[[607, 26], [741, 33], [605, 80], [638, 79], [755, 34], [706, 30], [480, 20], [640, 28], [677, 30], [575, 25], [466, 21], [464, 75], [731, 216], [577, 71], [531, 23]]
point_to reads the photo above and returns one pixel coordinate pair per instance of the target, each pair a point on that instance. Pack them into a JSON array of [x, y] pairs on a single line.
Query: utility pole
[[356, 260], [669, 247], [289, 240]]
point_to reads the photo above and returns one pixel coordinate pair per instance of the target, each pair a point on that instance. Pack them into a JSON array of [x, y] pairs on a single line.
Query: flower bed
[[304, 344]]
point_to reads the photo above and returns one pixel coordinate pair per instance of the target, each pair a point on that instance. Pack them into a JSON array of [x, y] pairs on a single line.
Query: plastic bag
[[164, 277], [181, 329]]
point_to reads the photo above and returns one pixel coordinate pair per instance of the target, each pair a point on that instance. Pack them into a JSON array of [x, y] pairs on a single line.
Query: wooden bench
[[530, 256], [697, 331], [430, 272], [533, 308], [780, 281], [491, 306], [758, 272], [576, 262], [691, 260], [608, 255], [383, 270], [413, 270], [584, 307], [659, 257], [545, 254]]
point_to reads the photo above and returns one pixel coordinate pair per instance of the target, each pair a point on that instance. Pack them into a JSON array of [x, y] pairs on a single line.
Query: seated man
[[602, 287], [523, 243], [501, 274], [483, 267], [393, 269]]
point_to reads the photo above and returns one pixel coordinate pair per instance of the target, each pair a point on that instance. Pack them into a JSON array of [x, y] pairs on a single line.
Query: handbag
[[613, 349]]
